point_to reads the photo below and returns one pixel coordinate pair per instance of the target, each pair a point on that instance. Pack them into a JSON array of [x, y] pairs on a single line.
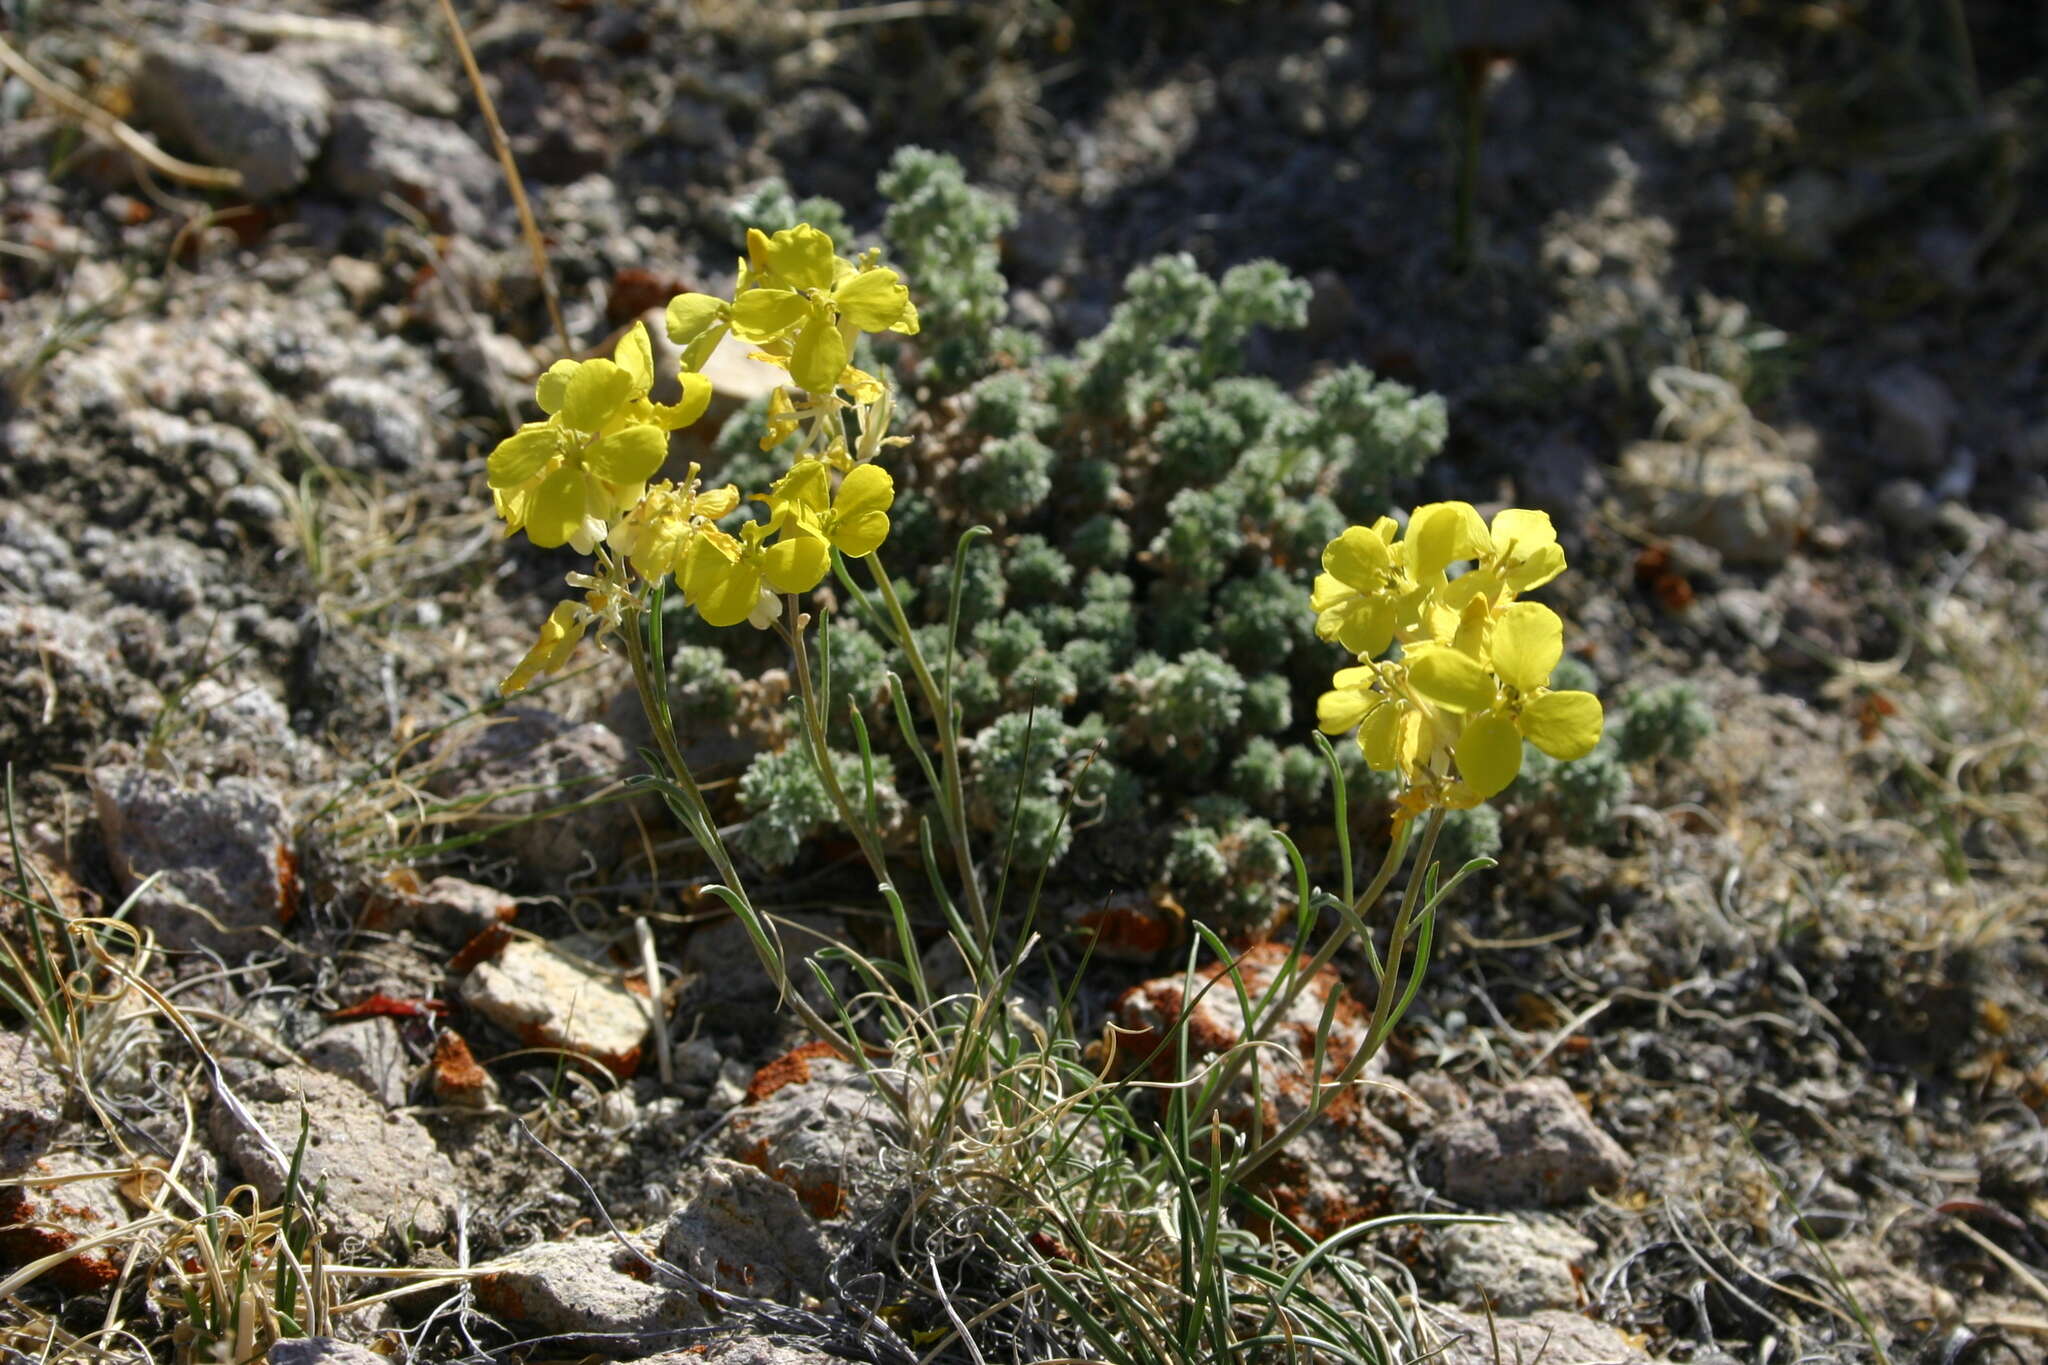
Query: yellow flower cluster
[[584, 476], [1472, 679]]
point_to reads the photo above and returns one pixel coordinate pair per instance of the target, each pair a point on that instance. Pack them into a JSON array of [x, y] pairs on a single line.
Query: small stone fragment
[[548, 997], [222, 851], [1549, 1338], [378, 148], [1750, 506], [1910, 415], [31, 1102], [366, 1051], [744, 1233], [382, 1170], [814, 1134], [530, 761], [320, 1351], [258, 115], [590, 1284], [1517, 1267], [1530, 1143]]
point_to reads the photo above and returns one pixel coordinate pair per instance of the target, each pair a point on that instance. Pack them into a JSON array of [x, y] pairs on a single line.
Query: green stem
[[705, 831], [821, 754], [952, 801]]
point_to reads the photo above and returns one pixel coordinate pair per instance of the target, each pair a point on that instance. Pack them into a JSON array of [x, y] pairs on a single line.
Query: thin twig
[[529, 228]]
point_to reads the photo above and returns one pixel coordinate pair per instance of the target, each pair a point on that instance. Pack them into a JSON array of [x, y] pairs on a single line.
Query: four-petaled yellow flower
[[1472, 678], [566, 479], [655, 536], [803, 304]]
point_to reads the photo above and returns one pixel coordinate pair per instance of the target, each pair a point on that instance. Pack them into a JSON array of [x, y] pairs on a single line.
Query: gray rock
[[1750, 615], [320, 1351], [257, 115], [816, 1134], [531, 761], [378, 71], [746, 1234], [1910, 415], [1546, 1338], [162, 573], [378, 148], [1530, 1143], [31, 1102], [1517, 1267], [745, 1351], [452, 910], [383, 1173], [549, 997], [588, 1285], [369, 1052], [220, 853], [387, 429], [1750, 506]]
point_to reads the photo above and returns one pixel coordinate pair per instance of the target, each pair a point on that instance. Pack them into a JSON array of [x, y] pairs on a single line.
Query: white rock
[[745, 1233], [1751, 506], [1517, 1267], [551, 998], [263, 117], [366, 1051], [588, 1285]]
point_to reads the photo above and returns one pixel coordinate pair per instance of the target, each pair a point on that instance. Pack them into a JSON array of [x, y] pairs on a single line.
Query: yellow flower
[[1362, 594], [803, 305], [558, 639], [564, 480], [655, 536], [730, 579], [1528, 642]]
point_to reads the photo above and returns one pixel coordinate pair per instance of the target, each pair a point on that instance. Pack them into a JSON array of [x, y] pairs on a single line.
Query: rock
[[530, 761], [458, 1079], [745, 1233], [368, 1052], [811, 1131], [745, 1351], [1750, 506], [31, 1102], [1550, 1337], [588, 1285], [320, 1351], [1910, 415], [387, 430], [48, 1214], [61, 681], [223, 851], [451, 910], [384, 1174], [1514, 1268], [378, 148], [1530, 1143], [1750, 615], [377, 71], [736, 380], [548, 997], [1562, 476], [258, 115]]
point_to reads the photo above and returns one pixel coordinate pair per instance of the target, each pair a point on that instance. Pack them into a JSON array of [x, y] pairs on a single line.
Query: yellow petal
[[866, 488], [1519, 532], [1341, 710], [699, 351], [1544, 564], [819, 356], [689, 316], [557, 509], [808, 485], [1451, 679], [1565, 725], [1379, 736], [1490, 753], [764, 314], [635, 355], [871, 300], [630, 455], [716, 502], [1367, 627], [553, 385], [594, 393], [1440, 534], [801, 255], [861, 534], [1528, 640], [1358, 558], [796, 563], [522, 455], [687, 409], [558, 637]]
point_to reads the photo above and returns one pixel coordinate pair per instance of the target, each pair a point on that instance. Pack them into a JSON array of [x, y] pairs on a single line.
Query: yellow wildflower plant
[[1472, 679], [566, 479], [802, 304], [655, 536]]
